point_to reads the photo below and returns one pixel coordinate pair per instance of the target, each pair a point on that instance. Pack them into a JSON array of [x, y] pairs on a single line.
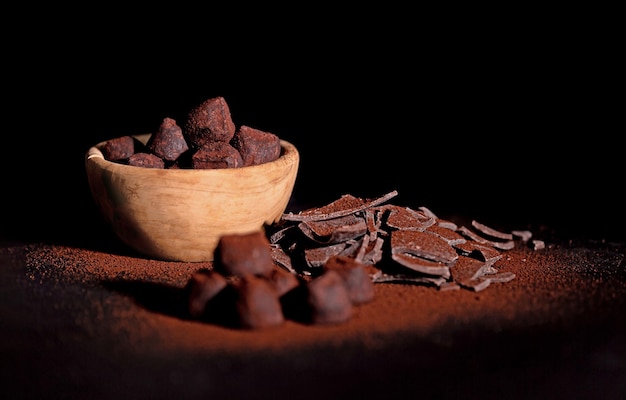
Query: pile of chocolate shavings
[[395, 243]]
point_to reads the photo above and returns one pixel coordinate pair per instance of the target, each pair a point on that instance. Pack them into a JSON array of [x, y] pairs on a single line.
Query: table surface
[[91, 319]]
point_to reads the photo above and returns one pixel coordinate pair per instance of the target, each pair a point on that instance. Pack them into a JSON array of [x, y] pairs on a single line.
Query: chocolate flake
[[334, 230], [397, 244], [422, 244], [491, 232], [345, 205]]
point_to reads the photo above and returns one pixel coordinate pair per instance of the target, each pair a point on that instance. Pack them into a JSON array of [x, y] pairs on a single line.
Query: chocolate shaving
[[406, 218], [422, 244], [334, 230], [345, 205], [491, 232], [422, 265], [507, 245], [397, 244], [316, 257]]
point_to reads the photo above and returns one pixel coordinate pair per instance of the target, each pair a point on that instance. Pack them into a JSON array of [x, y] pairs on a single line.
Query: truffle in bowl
[[179, 214]]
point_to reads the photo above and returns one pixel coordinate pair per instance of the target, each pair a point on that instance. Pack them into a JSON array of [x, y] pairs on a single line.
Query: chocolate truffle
[[146, 160], [216, 155], [244, 254], [256, 146], [257, 303], [208, 122], [328, 299], [202, 287], [168, 141], [358, 282]]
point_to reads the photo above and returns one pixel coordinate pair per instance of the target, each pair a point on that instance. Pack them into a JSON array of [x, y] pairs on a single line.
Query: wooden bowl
[[180, 214]]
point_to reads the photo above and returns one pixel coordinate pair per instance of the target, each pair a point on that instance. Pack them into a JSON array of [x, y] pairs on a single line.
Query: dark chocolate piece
[[406, 218], [489, 231], [422, 244], [504, 245], [334, 230], [346, 204]]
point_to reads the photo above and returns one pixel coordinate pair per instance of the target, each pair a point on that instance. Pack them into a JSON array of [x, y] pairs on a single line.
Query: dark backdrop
[[517, 132]]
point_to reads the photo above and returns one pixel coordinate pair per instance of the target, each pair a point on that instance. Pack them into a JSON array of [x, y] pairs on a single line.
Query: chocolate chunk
[[216, 155], [168, 141], [256, 146], [360, 286], [209, 121], [146, 160], [244, 254], [257, 303]]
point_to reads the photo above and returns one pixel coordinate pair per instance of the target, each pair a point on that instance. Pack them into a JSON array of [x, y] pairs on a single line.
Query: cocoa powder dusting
[[86, 323]]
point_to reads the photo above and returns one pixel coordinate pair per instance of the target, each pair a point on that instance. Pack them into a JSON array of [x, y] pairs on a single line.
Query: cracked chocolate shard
[[451, 236], [523, 235], [438, 281], [345, 205], [500, 277], [422, 244], [422, 265], [334, 230], [406, 218], [467, 272], [479, 251], [491, 232], [504, 245], [317, 256], [398, 244]]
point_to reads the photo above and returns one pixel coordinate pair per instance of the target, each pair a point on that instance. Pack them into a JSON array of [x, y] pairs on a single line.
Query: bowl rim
[[289, 155]]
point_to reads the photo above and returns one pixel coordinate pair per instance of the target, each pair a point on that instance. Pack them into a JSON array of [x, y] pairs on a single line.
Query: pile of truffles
[[207, 139], [246, 289]]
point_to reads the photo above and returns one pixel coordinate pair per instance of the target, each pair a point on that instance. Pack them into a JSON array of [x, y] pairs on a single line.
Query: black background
[[511, 125]]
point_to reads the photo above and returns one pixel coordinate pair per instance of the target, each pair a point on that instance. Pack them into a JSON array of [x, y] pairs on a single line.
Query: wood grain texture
[[180, 214]]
